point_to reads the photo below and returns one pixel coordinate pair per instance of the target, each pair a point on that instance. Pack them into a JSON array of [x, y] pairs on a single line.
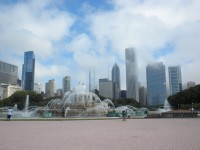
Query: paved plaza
[[134, 134]]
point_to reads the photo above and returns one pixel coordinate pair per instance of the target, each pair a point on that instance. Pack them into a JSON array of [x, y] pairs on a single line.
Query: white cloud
[[31, 25], [99, 38], [149, 26], [34, 25]]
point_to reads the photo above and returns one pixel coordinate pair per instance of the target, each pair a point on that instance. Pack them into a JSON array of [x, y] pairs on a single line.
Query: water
[[26, 113], [76, 103], [167, 107], [80, 102]]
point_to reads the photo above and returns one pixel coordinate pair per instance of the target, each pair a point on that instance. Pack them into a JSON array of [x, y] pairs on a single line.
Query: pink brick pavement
[[134, 134]]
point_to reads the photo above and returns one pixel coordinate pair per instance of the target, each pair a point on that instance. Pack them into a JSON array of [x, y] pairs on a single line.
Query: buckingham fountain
[[77, 103]]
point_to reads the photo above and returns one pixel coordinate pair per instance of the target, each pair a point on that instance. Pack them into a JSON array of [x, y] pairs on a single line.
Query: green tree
[[186, 97], [19, 98]]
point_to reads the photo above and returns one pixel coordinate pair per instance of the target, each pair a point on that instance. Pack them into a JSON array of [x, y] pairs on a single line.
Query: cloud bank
[[70, 42]]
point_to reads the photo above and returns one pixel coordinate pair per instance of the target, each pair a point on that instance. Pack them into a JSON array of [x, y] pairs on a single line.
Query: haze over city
[[71, 37]]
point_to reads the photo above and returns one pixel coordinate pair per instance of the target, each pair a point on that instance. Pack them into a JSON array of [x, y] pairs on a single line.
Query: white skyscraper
[[131, 74]]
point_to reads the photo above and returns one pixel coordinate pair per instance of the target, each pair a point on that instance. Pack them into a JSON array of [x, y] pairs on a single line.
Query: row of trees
[[186, 98], [122, 101], [19, 98]]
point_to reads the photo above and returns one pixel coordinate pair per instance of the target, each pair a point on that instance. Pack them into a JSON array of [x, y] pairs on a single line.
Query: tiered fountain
[[77, 103]]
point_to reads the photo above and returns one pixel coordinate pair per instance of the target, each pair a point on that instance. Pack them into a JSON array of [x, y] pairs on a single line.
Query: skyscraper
[[156, 84], [106, 88], [131, 74], [50, 88], [28, 71], [66, 84], [116, 81], [175, 79], [92, 80]]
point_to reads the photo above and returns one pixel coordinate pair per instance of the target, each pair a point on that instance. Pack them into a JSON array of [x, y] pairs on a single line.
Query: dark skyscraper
[[116, 81], [28, 71]]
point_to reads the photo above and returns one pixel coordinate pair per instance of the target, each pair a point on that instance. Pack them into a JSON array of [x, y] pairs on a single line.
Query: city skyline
[[70, 37]]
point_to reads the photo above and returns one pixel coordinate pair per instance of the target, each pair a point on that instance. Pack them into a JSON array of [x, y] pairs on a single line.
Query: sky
[[69, 37]]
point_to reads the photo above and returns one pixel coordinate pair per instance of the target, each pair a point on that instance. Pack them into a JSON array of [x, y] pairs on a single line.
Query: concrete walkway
[[134, 134]]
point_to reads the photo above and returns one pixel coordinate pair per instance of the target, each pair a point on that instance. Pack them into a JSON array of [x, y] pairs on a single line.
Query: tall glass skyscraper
[[28, 71], [116, 81], [131, 74], [156, 84], [175, 79]]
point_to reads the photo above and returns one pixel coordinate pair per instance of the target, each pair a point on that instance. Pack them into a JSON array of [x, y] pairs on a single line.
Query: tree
[[19, 98], [185, 97]]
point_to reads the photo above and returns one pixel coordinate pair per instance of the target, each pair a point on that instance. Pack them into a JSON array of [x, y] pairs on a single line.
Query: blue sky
[[71, 36]]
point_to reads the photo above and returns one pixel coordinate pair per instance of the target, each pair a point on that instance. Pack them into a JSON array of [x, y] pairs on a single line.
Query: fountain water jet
[[167, 107], [80, 102], [26, 107], [77, 103]]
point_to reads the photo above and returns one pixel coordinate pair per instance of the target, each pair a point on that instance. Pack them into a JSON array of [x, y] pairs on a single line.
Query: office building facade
[[8, 73], [156, 84], [50, 88], [7, 90], [66, 84], [38, 87], [132, 90], [106, 88], [28, 71], [92, 80], [175, 79], [116, 81]]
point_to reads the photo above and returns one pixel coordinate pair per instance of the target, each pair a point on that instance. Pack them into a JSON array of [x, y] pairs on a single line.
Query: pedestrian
[[124, 115], [9, 113]]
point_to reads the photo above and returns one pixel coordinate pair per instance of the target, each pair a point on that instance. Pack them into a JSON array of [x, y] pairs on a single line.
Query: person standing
[[124, 115], [9, 113]]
